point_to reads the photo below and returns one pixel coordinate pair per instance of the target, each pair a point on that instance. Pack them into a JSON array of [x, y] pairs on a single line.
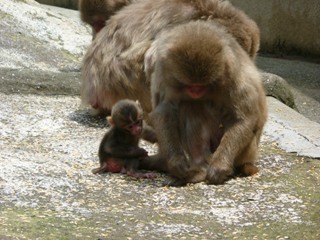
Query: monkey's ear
[[110, 121]]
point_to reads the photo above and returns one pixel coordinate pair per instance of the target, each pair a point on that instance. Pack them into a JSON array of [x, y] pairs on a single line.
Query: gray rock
[[278, 88], [34, 37], [303, 78], [30, 81], [292, 131], [49, 145]]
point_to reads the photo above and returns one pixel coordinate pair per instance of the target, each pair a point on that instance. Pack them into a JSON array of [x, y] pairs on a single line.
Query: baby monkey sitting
[[119, 150]]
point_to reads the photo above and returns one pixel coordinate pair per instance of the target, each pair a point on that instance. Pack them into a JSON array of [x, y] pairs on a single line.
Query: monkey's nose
[[137, 130]]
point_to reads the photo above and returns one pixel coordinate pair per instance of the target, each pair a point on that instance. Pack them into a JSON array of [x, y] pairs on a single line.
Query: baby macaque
[[119, 151]]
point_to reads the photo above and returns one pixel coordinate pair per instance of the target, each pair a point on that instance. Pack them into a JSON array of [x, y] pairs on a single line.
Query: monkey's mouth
[[196, 90]]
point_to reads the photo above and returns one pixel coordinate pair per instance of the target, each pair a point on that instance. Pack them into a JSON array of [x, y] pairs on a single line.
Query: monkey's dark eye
[[130, 126], [138, 122]]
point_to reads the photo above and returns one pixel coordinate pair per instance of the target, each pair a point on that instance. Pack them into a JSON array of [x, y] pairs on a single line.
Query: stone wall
[[290, 26], [287, 26]]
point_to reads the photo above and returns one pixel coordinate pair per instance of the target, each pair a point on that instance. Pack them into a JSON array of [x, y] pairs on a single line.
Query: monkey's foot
[[108, 166], [195, 176], [247, 169], [219, 175], [179, 167]]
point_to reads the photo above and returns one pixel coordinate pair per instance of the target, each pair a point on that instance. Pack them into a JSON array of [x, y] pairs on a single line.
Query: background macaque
[[97, 12], [119, 150], [113, 66], [209, 106]]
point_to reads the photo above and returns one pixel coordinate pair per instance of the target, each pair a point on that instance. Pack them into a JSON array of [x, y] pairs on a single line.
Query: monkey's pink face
[[135, 128], [196, 91]]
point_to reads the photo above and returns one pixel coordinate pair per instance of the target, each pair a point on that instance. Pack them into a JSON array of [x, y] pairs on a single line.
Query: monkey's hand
[[179, 167], [149, 134], [138, 152], [219, 172]]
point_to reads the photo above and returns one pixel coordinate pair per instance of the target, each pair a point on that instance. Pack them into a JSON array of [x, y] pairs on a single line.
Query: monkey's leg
[[109, 165], [133, 170], [233, 143], [245, 162]]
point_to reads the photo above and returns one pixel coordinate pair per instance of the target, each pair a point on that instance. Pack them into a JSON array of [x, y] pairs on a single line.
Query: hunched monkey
[[113, 66], [209, 105]]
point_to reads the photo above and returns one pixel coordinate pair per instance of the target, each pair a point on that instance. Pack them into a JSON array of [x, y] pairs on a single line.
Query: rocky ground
[[49, 144]]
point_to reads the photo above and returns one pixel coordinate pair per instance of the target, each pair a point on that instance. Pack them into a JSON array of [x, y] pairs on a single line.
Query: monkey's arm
[[239, 141], [234, 143], [126, 151], [149, 134], [166, 123]]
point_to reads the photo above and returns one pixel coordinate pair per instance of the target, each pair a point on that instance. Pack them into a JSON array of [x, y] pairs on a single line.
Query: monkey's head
[[127, 115], [89, 10], [97, 12], [195, 59]]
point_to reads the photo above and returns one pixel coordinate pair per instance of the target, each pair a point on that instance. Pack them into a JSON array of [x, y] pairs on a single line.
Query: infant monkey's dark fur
[[119, 151]]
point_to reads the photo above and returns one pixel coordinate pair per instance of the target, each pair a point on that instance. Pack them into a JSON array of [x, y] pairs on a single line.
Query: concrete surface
[[49, 146], [287, 26], [49, 142], [304, 79], [292, 131]]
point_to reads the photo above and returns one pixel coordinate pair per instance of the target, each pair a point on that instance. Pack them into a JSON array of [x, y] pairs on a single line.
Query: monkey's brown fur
[[97, 12], [119, 150], [113, 66], [209, 105]]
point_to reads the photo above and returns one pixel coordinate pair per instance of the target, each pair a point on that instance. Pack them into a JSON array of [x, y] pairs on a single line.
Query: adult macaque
[[119, 151], [113, 65], [97, 12], [209, 105]]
